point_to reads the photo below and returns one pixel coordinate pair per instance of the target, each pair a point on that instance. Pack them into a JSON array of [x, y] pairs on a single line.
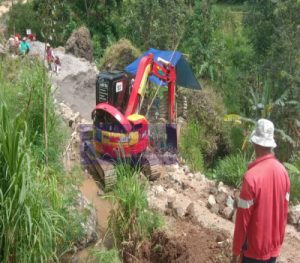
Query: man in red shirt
[[263, 204]]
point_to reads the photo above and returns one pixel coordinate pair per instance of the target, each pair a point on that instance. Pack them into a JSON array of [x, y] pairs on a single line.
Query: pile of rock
[[223, 200]]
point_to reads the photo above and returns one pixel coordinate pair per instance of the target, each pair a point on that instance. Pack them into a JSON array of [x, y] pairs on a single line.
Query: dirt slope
[[75, 83]]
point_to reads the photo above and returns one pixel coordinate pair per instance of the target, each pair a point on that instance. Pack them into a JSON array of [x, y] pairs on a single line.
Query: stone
[[79, 44], [211, 201], [158, 190], [89, 224], [294, 215], [190, 210], [234, 216], [199, 177], [213, 190], [221, 198], [227, 212], [186, 169], [230, 202], [191, 175], [215, 209]]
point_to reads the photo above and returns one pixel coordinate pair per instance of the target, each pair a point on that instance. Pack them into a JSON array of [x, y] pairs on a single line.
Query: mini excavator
[[119, 130]]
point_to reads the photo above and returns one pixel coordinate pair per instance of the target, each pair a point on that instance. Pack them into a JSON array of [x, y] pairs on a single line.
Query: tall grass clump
[[131, 220], [231, 169], [26, 89], [29, 201], [191, 145]]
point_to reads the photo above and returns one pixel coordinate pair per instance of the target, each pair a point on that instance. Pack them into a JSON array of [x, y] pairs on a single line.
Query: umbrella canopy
[[184, 74]]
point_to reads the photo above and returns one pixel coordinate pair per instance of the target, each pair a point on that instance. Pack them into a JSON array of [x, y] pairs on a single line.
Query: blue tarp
[[184, 73]]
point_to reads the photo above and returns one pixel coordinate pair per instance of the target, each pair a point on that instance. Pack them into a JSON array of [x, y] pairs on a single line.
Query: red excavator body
[[119, 129]]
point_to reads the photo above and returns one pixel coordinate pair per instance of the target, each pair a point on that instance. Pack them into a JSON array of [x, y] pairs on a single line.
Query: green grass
[[231, 169], [29, 200], [131, 220], [105, 256], [191, 144]]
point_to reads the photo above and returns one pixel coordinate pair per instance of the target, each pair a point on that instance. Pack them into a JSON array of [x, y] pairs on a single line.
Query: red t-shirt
[[262, 209]]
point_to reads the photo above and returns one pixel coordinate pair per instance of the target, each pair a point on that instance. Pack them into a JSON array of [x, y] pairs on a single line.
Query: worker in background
[[24, 47], [263, 205], [49, 56]]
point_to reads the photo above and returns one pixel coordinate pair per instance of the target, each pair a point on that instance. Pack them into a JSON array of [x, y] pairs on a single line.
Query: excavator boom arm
[[148, 67]]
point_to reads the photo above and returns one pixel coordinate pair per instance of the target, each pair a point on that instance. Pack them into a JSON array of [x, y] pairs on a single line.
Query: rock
[[221, 197], [294, 215], [89, 225], [190, 210], [79, 44], [199, 177], [186, 169], [230, 202], [234, 216], [236, 195], [190, 175], [215, 209], [158, 190], [213, 190], [211, 201], [227, 212]]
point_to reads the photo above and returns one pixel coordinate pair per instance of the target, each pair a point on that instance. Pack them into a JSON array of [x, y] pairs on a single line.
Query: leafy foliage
[[294, 173]]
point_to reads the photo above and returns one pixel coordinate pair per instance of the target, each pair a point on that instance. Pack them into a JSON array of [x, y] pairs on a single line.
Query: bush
[[131, 220], [231, 169], [207, 111], [119, 55], [294, 173]]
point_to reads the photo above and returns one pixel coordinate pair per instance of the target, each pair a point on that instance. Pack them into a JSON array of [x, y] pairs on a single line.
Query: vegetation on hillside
[[35, 196]]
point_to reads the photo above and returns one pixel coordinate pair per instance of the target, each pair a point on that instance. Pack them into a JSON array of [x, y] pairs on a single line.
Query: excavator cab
[[113, 87]]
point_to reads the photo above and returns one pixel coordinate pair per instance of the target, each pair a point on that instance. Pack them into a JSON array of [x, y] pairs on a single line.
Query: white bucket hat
[[263, 134]]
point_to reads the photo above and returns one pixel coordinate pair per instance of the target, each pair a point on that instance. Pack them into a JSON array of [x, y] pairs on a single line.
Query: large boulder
[[119, 55], [79, 44]]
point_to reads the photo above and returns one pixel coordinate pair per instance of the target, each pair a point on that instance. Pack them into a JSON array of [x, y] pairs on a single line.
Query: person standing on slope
[[49, 56], [24, 47], [263, 205]]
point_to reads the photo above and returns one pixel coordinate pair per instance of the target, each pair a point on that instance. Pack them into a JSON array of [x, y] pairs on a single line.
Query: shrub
[[131, 220], [294, 173], [119, 55], [231, 169], [207, 111]]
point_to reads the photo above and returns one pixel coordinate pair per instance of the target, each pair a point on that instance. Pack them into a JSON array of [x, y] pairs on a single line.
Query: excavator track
[[151, 165], [100, 168]]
